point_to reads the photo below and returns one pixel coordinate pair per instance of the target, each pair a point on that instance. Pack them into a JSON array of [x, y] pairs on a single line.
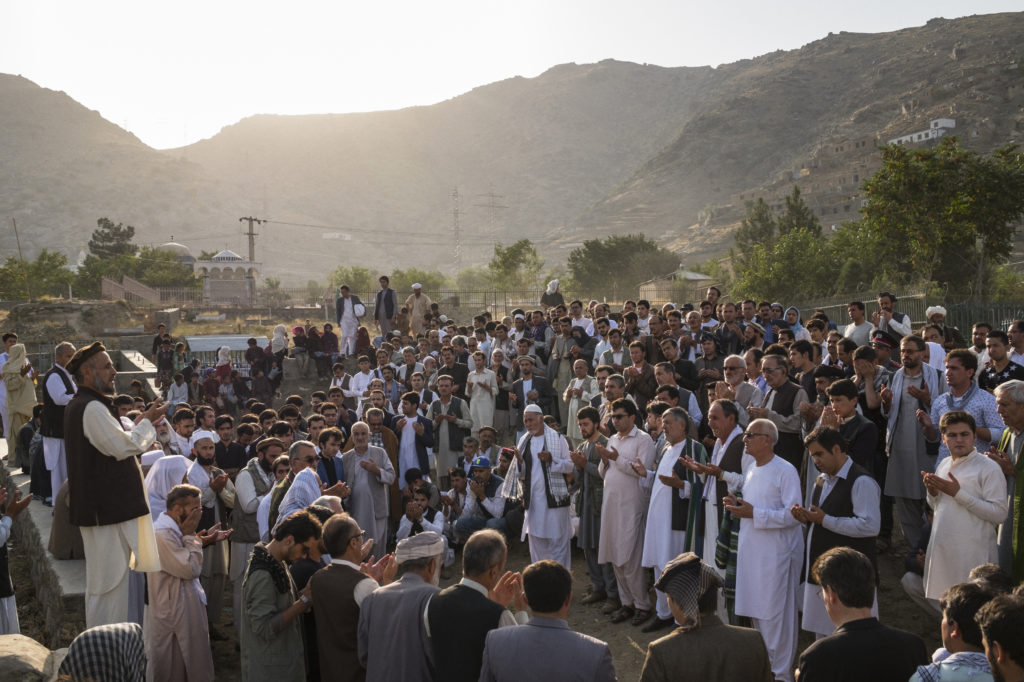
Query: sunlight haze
[[173, 74]]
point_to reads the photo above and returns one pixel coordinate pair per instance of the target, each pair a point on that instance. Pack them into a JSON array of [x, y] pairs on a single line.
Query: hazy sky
[[173, 73]]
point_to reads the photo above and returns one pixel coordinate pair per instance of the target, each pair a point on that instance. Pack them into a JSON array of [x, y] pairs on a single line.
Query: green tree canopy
[[944, 213], [48, 275], [402, 280], [110, 240], [358, 279], [517, 266], [618, 264]]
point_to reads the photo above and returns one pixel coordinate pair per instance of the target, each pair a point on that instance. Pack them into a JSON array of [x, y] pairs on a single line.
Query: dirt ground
[[628, 644]]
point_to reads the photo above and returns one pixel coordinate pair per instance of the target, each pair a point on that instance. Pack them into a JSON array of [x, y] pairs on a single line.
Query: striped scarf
[[725, 557]]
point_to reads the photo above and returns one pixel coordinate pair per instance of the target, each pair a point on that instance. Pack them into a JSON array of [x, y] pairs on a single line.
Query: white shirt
[[55, 387]]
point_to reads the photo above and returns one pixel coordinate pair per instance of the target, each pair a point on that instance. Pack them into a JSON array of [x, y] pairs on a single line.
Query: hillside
[[765, 122], [577, 152]]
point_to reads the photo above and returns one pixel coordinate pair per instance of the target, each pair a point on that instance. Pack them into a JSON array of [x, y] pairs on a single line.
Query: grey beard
[[99, 386], [164, 438]]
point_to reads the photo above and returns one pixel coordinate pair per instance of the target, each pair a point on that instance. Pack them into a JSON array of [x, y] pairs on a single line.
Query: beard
[[265, 464], [164, 438], [206, 462]]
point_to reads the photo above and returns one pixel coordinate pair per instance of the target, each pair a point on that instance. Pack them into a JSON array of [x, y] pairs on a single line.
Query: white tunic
[[661, 543], [770, 544], [711, 501], [964, 529], [542, 521]]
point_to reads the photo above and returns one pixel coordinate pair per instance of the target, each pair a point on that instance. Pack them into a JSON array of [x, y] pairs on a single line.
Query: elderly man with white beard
[[770, 546], [673, 510], [542, 460], [218, 497]]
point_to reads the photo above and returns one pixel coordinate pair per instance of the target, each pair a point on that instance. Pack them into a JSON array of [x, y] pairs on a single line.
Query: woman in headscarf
[[793, 320], [21, 398], [166, 472], [552, 296], [585, 345]]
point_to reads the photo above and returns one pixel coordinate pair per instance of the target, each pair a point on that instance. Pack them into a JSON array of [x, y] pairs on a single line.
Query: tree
[[618, 264], [476, 278], [515, 267], [757, 228], [358, 279], [797, 265], [402, 280], [270, 293], [110, 240], [944, 214], [48, 275], [798, 214]]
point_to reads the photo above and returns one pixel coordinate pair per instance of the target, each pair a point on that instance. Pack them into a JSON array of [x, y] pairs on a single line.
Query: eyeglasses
[[769, 370], [748, 436], [361, 535]]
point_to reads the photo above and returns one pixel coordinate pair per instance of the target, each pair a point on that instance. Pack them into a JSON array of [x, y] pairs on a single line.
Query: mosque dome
[[179, 251]]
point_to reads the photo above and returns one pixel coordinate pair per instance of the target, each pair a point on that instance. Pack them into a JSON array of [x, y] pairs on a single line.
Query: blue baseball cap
[[480, 462]]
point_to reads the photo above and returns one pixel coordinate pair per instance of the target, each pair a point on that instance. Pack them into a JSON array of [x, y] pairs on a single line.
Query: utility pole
[[252, 256], [492, 204], [457, 232], [24, 267]]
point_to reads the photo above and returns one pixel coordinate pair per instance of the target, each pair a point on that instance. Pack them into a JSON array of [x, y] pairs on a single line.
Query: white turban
[[932, 310], [421, 546], [200, 435]]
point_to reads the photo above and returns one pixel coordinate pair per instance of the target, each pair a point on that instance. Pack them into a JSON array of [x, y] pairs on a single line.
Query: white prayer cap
[[443, 318], [520, 316], [200, 435], [933, 310], [533, 409], [417, 286], [421, 546], [149, 458]]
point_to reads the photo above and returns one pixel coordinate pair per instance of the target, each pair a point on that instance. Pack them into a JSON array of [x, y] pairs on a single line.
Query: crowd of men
[[724, 468]]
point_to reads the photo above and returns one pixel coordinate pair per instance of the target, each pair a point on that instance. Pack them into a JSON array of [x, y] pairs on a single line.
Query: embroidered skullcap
[[82, 355], [533, 409], [421, 546], [533, 360], [932, 310], [756, 327], [200, 435], [686, 579]]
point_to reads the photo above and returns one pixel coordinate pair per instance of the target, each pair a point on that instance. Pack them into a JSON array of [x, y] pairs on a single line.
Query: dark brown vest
[[103, 490], [839, 503], [732, 461], [337, 626], [52, 425], [790, 446]]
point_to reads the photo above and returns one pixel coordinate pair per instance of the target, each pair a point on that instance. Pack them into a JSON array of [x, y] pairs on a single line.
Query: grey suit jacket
[[545, 650]]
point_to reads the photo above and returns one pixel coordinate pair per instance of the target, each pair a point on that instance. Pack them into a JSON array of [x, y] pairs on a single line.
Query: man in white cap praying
[[951, 336], [418, 305], [542, 461], [393, 643], [218, 496]]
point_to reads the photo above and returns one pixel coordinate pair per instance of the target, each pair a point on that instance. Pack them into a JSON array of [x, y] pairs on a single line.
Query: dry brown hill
[[579, 151]]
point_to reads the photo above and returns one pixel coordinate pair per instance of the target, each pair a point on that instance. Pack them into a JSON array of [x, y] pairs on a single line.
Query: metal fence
[[912, 302]]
